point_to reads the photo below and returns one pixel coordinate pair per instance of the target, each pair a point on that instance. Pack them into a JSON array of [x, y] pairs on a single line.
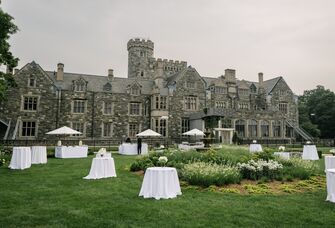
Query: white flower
[[281, 148], [163, 159]]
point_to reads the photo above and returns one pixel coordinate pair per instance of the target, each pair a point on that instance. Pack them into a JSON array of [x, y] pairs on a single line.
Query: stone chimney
[[60, 72], [110, 74], [230, 74], [260, 78], [159, 78]]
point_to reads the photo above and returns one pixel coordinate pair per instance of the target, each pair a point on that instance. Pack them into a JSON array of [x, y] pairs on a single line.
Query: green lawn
[[55, 195]]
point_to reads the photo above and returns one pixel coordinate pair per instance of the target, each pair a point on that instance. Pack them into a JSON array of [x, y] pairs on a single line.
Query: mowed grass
[[55, 195]]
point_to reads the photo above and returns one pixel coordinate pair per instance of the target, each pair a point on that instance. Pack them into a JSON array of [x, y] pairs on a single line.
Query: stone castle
[[167, 96]]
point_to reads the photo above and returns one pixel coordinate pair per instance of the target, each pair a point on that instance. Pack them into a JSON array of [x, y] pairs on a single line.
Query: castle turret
[[139, 52]]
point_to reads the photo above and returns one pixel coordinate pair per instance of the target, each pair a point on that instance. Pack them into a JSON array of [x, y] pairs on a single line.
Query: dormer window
[[80, 85], [31, 81], [107, 87], [142, 74], [253, 88], [135, 91]]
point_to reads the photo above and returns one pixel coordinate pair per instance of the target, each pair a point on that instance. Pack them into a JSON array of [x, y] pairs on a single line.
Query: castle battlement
[[143, 43], [170, 62]]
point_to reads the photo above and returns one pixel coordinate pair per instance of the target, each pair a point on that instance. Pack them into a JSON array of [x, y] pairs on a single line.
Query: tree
[[7, 28], [317, 112]]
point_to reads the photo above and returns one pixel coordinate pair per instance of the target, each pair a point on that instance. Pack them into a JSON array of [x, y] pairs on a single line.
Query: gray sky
[[293, 39]]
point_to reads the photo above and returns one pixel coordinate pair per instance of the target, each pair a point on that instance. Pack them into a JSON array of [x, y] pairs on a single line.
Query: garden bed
[[233, 166]]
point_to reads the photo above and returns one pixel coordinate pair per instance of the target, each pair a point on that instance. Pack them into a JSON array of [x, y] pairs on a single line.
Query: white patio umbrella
[[148, 133], [194, 132], [63, 131]]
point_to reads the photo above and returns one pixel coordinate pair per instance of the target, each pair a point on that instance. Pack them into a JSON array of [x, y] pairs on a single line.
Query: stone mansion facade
[[167, 96]]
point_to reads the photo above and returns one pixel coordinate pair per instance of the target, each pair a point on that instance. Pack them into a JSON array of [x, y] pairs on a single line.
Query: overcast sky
[[293, 39]]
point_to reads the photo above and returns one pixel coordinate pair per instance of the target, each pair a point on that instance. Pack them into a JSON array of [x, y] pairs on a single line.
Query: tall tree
[[317, 112], [7, 28]]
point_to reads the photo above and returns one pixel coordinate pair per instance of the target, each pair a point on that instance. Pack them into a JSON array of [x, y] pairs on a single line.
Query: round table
[[255, 148], [310, 153], [131, 148], [38, 155], [102, 167], [330, 185], [160, 183], [21, 158], [329, 162]]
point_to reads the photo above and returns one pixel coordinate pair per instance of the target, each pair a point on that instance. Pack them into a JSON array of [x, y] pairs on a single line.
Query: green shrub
[[206, 174], [5, 155], [141, 164], [266, 155], [298, 168]]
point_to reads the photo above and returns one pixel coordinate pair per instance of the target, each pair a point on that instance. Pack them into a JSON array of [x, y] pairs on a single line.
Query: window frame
[[33, 97], [74, 106], [131, 109], [35, 128]]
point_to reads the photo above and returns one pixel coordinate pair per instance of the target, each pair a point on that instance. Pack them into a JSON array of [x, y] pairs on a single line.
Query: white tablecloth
[[310, 153], [160, 183], [102, 167], [329, 162], [131, 148], [255, 148], [21, 158], [71, 151], [38, 154], [285, 155], [330, 185], [190, 147]]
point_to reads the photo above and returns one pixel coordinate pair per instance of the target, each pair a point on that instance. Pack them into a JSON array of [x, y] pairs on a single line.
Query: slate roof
[[96, 82], [268, 84], [120, 85]]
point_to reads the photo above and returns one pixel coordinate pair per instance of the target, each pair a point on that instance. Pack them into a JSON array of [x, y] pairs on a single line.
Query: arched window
[[240, 127], [264, 128], [252, 128], [276, 126]]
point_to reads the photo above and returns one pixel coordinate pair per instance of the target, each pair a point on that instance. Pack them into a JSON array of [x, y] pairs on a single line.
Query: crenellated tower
[[140, 51]]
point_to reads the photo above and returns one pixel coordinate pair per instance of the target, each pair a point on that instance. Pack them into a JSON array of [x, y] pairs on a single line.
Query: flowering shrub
[[4, 155], [2, 162], [206, 174], [255, 170]]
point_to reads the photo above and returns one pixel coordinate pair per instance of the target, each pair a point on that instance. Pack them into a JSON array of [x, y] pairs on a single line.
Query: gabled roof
[[268, 84], [174, 78]]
